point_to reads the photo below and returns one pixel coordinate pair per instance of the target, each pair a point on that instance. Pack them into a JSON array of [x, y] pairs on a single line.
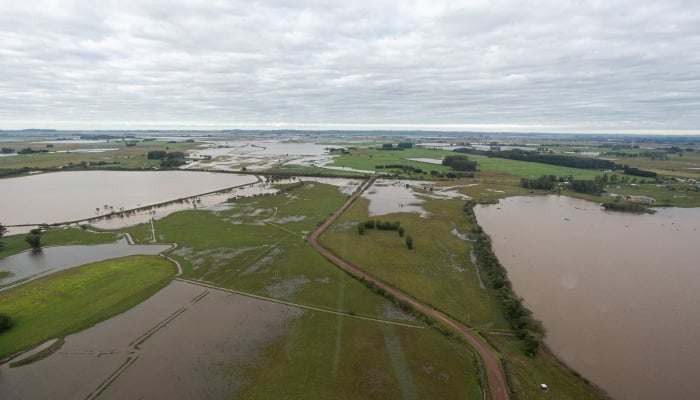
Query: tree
[[5, 322], [2, 233], [361, 229], [34, 240], [409, 242], [401, 231]]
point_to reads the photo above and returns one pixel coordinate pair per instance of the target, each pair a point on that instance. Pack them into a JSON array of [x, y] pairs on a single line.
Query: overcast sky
[[609, 65]]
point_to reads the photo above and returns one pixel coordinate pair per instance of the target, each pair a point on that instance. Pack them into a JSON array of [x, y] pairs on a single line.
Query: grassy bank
[[59, 237], [72, 300]]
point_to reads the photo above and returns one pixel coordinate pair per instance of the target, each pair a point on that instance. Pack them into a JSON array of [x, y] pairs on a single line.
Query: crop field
[[75, 299]]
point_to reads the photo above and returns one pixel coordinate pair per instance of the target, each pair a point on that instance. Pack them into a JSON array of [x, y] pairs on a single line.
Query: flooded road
[[617, 293], [186, 341]]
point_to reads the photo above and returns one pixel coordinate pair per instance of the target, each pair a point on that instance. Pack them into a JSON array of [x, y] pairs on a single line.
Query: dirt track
[[497, 385]]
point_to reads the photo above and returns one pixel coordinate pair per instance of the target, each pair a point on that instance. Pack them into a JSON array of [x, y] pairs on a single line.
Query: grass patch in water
[[72, 300]]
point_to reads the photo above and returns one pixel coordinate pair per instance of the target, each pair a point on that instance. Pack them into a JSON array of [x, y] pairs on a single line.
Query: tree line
[[519, 317], [559, 160], [362, 227]]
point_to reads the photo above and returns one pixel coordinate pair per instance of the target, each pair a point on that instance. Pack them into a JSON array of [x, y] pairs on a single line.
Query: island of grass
[[72, 300]]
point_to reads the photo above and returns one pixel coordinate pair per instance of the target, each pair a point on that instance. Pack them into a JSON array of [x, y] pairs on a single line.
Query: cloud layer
[[509, 65]]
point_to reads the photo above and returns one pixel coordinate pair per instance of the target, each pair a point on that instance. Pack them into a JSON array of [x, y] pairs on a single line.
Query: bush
[[409, 242], [34, 240], [5, 322]]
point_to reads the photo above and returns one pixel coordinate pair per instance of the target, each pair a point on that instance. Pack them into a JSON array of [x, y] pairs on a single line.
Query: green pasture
[[525, 374], [438, 271], [72, 300], [259, 245], [336, 357], [55, 237], [65, 156]]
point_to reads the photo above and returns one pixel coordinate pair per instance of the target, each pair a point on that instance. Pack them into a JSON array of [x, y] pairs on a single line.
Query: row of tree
[[459, 163], [560, 160], [362, 227], [519, 317]]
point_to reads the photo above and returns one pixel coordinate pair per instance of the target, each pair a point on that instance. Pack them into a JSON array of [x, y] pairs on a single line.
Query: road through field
[[497, 385]]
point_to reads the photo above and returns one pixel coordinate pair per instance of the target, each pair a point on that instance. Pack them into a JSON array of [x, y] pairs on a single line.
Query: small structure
[[640, 199], [544, 387]]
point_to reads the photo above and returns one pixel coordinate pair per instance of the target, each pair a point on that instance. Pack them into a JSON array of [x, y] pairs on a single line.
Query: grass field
[[428, 273], [332, 357], [72, 300], [438, 271], [15, 244], [64, 155], [258, 245], [526, 374]]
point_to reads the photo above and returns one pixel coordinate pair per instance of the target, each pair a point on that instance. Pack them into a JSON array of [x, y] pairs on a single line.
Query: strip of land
[[497, 385]]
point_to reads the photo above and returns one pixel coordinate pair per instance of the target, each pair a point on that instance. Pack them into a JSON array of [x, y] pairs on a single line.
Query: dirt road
[[497, 385]]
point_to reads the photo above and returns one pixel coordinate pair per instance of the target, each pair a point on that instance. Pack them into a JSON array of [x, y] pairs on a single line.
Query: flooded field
[[30, 264], [186, 341], [67, 196], [392, 196], [617, 293]]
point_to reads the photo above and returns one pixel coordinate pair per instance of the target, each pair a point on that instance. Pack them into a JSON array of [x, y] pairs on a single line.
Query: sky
[[495, 65]]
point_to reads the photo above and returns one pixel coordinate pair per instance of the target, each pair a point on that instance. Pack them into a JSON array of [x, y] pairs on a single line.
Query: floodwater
[[186, 341], [30, 264], [68, 196], [617, 293], [392, 196]]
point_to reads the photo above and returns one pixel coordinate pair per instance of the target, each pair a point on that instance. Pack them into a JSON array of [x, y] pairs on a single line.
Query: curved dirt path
[[497, 384]]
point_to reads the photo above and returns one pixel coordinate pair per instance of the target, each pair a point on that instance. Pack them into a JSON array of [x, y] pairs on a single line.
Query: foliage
[[544, 182], [34, 240], [409, 242], [590, 187], [459, 163], [628, 206], [5, 322]]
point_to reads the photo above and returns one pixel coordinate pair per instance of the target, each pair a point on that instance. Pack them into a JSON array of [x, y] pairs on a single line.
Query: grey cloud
[[578, 65]]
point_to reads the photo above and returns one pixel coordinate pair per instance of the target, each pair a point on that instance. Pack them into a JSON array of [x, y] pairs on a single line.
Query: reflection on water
[[617, 293], [68, 196], [30, 264]]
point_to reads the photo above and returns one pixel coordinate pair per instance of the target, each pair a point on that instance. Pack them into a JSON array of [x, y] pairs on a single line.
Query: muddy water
[[30, 264], [66, 196], [200, 354], [617, 293]]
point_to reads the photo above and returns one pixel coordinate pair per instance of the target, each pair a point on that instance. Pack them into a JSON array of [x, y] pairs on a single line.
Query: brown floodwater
[[69, 196], [617, 293], [201, 353]]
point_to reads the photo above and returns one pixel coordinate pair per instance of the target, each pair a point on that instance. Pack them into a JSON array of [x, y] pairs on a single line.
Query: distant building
[[641, 199]]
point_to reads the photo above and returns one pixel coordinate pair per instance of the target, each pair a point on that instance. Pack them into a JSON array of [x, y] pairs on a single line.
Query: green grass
[[72, 300], [438, 271], [368, 159], [124, 157], [56, 237], [259, 246], [332, 357], [525, 374]]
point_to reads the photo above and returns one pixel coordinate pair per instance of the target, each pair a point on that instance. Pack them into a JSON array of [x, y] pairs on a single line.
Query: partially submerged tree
[[34, 240], [2, 233]]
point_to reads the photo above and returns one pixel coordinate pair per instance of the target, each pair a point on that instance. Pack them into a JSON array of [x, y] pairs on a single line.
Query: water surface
[[617, 293], [31, 264]]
